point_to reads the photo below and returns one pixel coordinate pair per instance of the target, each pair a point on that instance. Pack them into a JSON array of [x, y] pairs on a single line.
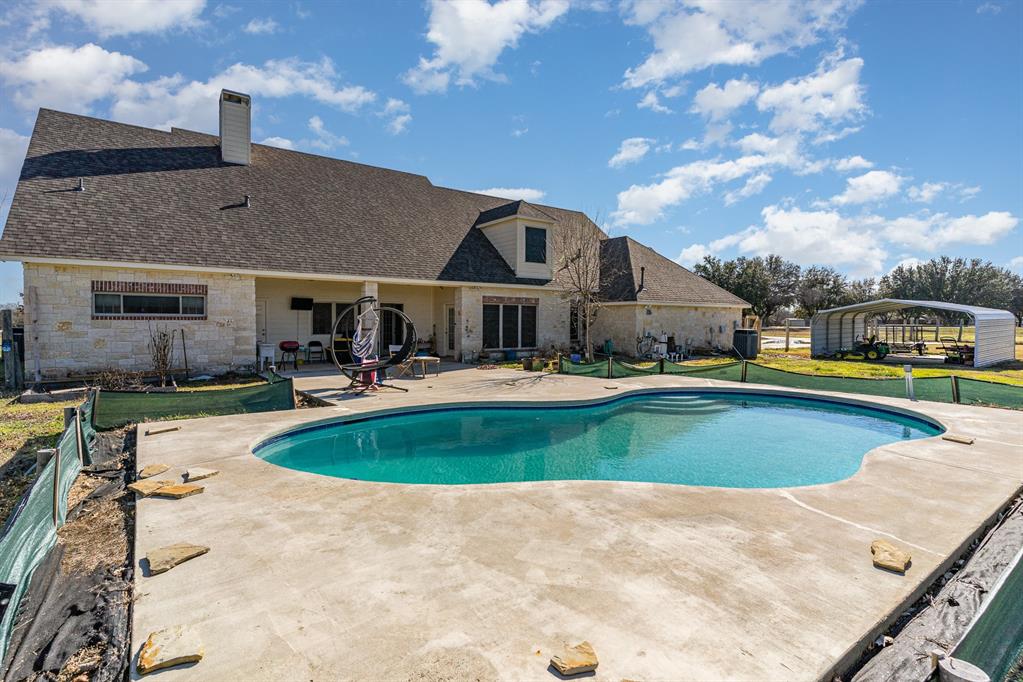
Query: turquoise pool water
[[711, 439]]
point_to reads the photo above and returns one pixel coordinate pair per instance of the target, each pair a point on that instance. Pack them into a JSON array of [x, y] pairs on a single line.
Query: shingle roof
[[162, 197], [625, 263], [520, 208]]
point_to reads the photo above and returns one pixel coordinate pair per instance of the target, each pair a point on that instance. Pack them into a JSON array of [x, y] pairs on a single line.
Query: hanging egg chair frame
[[356, 372]]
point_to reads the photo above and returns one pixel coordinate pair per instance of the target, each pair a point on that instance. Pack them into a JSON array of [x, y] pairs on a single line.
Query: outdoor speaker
[[301, 303]]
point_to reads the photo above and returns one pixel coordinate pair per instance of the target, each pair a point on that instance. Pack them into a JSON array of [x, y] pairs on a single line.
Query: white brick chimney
[[235, 127]]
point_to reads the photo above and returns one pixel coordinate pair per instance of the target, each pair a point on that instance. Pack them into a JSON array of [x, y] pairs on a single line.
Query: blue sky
[[857, 135]]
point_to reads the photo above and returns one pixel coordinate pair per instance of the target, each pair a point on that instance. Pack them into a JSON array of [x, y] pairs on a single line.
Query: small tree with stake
[[578, 271], [161, 349]]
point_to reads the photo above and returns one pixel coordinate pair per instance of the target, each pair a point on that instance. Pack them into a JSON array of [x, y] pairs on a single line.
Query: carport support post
[[910, 393]]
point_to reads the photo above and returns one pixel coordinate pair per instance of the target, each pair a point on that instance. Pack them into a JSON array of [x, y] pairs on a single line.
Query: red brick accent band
[[106, 287], [184, 318], [510, 300]]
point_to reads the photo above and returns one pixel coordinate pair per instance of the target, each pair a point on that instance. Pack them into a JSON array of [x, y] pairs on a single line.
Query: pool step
[[683, 404], [682, 410]]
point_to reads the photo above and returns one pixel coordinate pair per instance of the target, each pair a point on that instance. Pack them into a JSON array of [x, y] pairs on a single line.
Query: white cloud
[[858, 244], [1016, 264], [937, 231], [12, 154], [717, 102], [282, 142], [754, 185], [175, 101], [115, 17], [926, 192], [691, 255], [519, 132], [815, 237], [828, 96], [513, 193], [910, 262], [398, 114], [869, 187], [832, 136], [470, 35], [851, 163], [325, 140], [653, 103], [630, 150], [67, 78], [697, 34], [989, 8], [261, 26]]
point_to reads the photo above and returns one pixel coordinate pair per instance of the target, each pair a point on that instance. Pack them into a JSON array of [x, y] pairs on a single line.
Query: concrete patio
[[317, 578]]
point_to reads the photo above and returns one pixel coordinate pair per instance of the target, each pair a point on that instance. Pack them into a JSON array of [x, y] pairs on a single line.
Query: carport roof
[[885, 305]]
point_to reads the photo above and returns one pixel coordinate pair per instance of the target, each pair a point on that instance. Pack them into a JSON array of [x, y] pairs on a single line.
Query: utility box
[[746, 343]]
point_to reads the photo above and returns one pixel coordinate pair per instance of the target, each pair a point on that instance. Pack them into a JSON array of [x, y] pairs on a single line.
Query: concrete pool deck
[[310, 577]]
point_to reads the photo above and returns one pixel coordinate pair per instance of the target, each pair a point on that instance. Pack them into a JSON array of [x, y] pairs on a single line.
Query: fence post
[[79, 441], [610, 373], [910, 393], [69, 416], [955, 389], [743, 377], [660, 367], [56, 484]]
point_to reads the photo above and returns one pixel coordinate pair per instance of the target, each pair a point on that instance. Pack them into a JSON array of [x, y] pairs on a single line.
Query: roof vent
[[642, 281], [235, 127], [246, 203], [81, 185]]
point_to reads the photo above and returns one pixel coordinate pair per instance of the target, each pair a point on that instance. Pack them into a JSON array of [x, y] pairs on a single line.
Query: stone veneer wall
[[695, 326], [551, 325], [71, 342]]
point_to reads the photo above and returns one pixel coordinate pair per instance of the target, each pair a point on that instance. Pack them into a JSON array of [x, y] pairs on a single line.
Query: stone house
[[121, 228]]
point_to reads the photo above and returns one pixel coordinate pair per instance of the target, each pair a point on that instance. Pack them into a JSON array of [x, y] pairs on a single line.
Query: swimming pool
[[711, 439]]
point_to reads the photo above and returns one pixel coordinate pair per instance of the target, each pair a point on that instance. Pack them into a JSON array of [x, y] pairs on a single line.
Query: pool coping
[[264, 429]]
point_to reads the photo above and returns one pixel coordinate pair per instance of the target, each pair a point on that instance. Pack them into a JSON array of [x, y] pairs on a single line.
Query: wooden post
[[609, 372], [56, 486], [79, 441], [660, 367], [9, 351], [69, 416], [955, 389], [743, 376], [786, 335]]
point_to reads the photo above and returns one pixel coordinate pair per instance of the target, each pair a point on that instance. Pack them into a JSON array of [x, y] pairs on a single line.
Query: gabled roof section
[[631, 271], [165, 198], [518, 209]]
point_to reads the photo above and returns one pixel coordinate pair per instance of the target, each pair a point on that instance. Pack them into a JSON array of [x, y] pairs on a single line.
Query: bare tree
[[578, 269], [161, 349]]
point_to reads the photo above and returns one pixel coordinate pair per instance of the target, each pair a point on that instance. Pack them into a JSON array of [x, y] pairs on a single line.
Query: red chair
[[289, 348]]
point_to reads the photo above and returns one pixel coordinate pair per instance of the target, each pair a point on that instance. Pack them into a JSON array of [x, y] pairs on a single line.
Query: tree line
[[776, 288]]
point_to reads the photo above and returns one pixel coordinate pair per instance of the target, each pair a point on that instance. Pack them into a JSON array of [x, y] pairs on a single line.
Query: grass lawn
[[23, 430]]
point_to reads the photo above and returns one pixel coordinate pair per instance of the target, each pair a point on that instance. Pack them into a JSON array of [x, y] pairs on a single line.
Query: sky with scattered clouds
[[852, 134]]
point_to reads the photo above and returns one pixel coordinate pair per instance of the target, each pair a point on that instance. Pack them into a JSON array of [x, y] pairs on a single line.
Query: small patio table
[[425, 360]]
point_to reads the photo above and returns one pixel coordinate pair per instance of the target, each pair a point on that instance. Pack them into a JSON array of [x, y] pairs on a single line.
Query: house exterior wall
[[694, 326], [551, 323], [60, 328]]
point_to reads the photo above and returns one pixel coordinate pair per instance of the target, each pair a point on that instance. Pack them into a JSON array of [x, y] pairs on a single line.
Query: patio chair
[[955, 352], [405, 367], [316, 349]]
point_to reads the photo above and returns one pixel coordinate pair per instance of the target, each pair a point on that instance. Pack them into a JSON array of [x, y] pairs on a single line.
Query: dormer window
[[536, 245]]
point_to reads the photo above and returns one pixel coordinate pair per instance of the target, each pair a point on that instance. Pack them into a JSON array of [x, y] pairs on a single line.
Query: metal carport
[[839, 327]]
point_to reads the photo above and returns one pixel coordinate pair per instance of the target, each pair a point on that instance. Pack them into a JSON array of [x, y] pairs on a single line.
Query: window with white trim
[[157, 305], [509, 326]]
